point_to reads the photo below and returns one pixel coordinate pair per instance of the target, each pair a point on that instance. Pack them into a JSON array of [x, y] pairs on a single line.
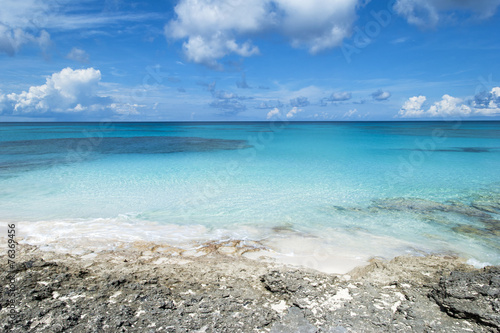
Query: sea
[[324, 195]]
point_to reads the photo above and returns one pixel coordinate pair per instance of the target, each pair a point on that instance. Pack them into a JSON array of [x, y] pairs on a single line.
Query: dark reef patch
[[25, 155]]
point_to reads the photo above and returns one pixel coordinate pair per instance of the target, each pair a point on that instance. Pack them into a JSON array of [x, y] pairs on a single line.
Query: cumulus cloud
[[79, 55], [449, 106], [293, 112], [299, 102], [413, 107], [340, 96], [210, 26], [68, 91], [487, 103], [483, 104], [381, 95], [273, 112], [428, 13], [212, 29]]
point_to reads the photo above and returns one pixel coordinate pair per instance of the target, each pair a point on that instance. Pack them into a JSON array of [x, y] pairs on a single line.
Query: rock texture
[[471, 295], [147, 290]]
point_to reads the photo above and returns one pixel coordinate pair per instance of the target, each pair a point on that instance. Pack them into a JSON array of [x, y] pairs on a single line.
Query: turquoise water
[[326, 195]]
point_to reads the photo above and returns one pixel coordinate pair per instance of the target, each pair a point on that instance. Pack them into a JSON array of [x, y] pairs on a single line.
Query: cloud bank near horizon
[[483, 104]]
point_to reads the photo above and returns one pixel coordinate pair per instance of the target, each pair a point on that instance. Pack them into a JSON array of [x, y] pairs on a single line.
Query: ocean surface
[[324, 195]]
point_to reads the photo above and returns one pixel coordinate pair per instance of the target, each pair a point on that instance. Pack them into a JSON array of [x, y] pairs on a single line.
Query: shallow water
[[325, 195]]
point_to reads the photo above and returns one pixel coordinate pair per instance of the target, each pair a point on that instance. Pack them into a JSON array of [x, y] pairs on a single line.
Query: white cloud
[[273, 112], [210, 26], [215, 28], [381, 95], [324, 116], [12, 39], [126, 109], [340, 96], [449, 106], [68, 21], [67, 91], [350, 113], [205, 50], [483, 104], [21, 14], [419, 12], [27, 21], [19, 25], [222, 94], [413, 107], [428, 13], [487, 103], [79, 55], [61, 15], [293, 112], [317, 24]]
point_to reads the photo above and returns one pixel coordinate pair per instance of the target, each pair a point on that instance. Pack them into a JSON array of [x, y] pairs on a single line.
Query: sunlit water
[[324, 195]]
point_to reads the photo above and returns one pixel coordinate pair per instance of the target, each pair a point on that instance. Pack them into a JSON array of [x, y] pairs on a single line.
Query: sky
[[249, 60]]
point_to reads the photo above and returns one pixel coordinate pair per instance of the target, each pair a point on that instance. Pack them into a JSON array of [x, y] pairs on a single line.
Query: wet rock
[[408, 204], [492, 224], [487, 208], [422, 206], [471, 295], [470, 230]]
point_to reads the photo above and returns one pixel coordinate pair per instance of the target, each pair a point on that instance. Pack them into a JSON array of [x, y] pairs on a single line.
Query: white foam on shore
[[477, 263], [104, 234], [333, 252]]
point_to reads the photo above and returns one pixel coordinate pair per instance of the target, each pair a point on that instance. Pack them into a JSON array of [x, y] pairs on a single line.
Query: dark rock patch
[[471, 295]]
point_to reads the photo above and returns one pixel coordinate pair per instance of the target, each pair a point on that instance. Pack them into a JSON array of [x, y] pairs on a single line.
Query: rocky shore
[[147, 288]]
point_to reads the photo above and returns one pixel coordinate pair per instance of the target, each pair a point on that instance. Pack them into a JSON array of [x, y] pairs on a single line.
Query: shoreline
[[337, 254], [148, 288]]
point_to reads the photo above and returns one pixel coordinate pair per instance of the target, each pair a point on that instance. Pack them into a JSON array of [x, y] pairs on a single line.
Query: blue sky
[[236, 60]]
